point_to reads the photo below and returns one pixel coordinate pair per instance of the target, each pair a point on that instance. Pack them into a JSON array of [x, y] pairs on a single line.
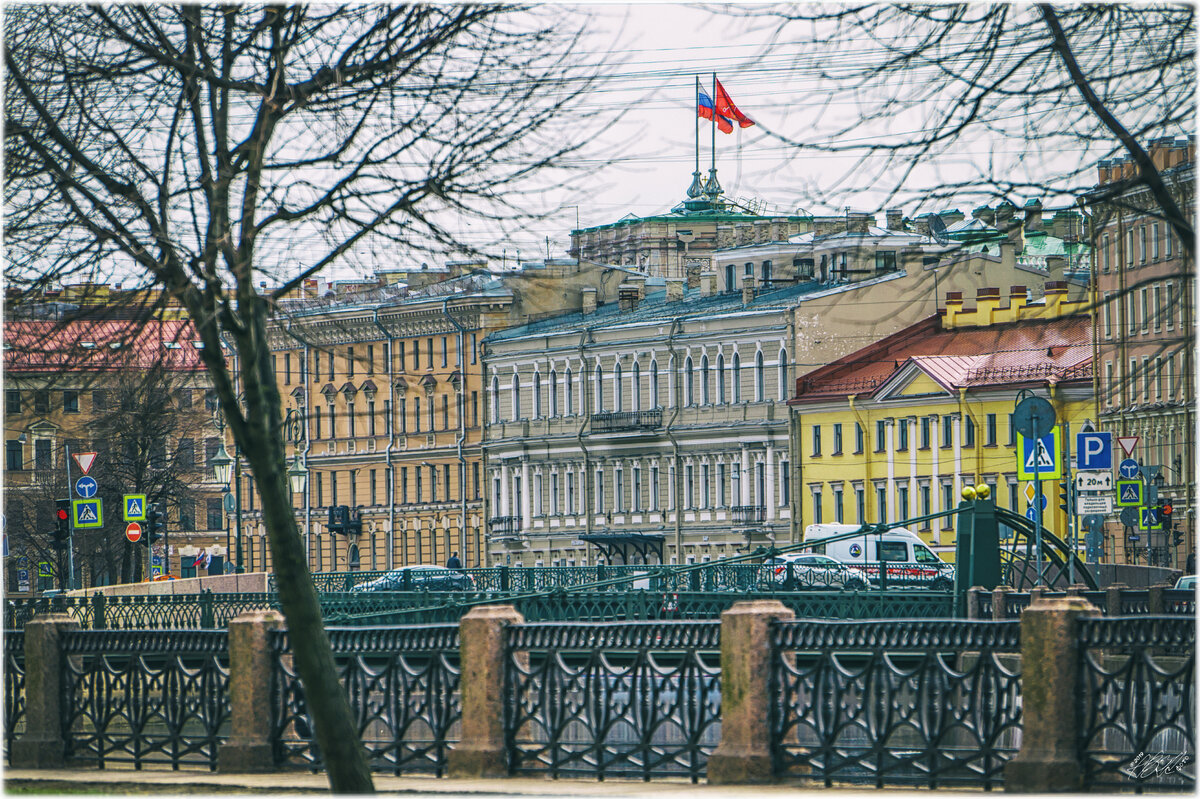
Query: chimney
[[1056, 292], [1018, 297], [1104, 171], [708, 284], [987, 302], [627, 296], [674, 289], [453, 269], [985, 215], [747, 289], [1033, 215], [954, 307], [589, 300], [895, 219], [638, 283], [1004, 215], [693, 277], [1056, 268], [1160, 152]]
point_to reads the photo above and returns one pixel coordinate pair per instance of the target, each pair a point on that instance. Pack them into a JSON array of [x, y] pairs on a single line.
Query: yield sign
[[85, 460], [1127, 444]]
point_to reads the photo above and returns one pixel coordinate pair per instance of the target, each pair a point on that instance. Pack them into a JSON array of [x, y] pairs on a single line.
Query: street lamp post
[[294, 430], [222, 466]]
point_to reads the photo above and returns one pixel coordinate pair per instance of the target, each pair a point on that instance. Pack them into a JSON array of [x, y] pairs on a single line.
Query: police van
[[906, 558]]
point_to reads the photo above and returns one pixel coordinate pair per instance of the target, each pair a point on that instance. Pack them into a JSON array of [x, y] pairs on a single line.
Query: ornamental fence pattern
[[636, 699], [403, 686], [145, 697], [14, 687], [1115, 601], [905, 703], [1137, 691]]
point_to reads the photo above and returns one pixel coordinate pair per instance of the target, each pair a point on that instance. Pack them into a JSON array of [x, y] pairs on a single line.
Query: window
[[991, 430], [350, 419], [902, 501], [654, 403], [619, 490], [1145, 377], [881, 503], [554, 493], [947, 432], [371, 417], [735, 484], [287, 368], [320, 492], [474, 348], [1170, 306], [766, 272], [599, 491], [1158, 307], [1107, 314], [553, 392], [330, 365], [654, 487], [689, 387], [372, 483], [885, 261], [721, 485], [618, 388], [837, 438], [429, 353], [1154, 241], [213, 513], [537, 394], [1141, 244], [516, 397], [416, 414], [729, 278], [41, 401], [689, 487], [1145, 296], [721, 379], [400, 355], [816, 504], [349, 362], [598, 390], [925, 425], [735, 376], [12, 401], [636, 505], [445, 412], [860, 504], [14, 455], [1012, 431], [569, 388], [816, 440], [969, 423], [705, 396], [783, 378], [71, 402], [925, 506], [859, 436], [839, 516], [785, 483], [903, 425], [705, 487], [947, 504], [1106, 254], [1168, 236], [403, 408], [1109, 389], [1170, 376], [570, 492], [759, 387], [880, 436], [185, 454], [444, 351], [371, 360]]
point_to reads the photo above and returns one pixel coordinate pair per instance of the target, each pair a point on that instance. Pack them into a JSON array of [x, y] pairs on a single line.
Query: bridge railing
[[885, 703], [1116, 600]]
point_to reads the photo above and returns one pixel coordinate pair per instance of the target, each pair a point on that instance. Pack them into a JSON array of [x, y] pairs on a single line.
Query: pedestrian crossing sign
[[88, 512], [135, 507], [1150, 519], [1040, 459], [1129, 493]]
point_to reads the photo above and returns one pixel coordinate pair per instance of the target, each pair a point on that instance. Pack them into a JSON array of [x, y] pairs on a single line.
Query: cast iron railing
[[504, 525], [909, 702], [14, 687], [749, 514], [617, 421], [403, 686], [145, 697], [1137, 695], [1132, 602], [612, 699]]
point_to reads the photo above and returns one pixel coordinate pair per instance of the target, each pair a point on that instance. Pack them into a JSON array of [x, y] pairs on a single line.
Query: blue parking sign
[[1093, 451]]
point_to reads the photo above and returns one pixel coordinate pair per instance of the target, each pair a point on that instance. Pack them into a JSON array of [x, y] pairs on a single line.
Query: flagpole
[[712, 189], [697, 188]]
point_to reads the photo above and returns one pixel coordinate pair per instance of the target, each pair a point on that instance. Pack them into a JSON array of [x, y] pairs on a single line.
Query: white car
[[813, 571]]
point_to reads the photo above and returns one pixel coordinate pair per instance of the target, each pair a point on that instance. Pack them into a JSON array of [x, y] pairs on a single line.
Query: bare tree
[[941, 103], [209, 149]]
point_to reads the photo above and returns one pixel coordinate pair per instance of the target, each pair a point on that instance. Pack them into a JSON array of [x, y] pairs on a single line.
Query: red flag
[[726, 108], [704, 108]]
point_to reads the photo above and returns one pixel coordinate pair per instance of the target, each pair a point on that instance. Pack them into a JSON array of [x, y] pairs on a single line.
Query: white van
[[909, 560]]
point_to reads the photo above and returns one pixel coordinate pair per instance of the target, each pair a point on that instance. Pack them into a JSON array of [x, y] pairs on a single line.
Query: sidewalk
[[153, 781]]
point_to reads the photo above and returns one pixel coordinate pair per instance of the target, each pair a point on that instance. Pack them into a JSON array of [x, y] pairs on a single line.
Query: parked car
[[419, 578], [813, 571], [1186, 583], [909, 561]]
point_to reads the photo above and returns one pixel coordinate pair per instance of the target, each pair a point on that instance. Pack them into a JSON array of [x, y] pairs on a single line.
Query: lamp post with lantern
[[224, 469]]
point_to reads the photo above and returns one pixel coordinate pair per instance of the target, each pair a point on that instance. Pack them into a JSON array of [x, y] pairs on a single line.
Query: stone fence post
[[1000, 602], [248, 748], [42, 745], [1049, 760], [480, 752], [1154, 599], [973, 595], [744, 753], [1112, 598]]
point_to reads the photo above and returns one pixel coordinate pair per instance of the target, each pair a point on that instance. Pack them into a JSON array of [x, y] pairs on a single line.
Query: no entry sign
[[133, 531]]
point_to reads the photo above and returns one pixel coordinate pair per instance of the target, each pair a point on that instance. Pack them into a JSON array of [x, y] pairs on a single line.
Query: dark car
[[419, 578]]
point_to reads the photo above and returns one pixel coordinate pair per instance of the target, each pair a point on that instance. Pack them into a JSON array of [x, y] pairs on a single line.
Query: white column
[[913, 441], [889, 426], [526, 522], [505, 489], [958, 424], [747, 476], [769, 500], [935, 482]]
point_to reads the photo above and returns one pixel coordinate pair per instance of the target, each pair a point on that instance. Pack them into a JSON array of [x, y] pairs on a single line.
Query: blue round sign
[[86, 487], [1129, 469]]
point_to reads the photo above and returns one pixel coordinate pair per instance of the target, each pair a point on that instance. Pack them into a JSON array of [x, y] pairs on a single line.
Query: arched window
[[637, 386], [689, 385], [553, 392], [598, 390], [618, 389], [783, 376], [569, 389], [759, 395], [516, 397], [721, 379], [537, 394], [654, 403], [705, 395], [735, 376], [495, 400]]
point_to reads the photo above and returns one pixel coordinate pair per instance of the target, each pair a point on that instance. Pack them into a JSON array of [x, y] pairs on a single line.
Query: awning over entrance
[[628, 548]]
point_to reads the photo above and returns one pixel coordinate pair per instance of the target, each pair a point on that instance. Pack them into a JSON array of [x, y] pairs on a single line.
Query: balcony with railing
[[617, 421], [504, 526], [749, 514]]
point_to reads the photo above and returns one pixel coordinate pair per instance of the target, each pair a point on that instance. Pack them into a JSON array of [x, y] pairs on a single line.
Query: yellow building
[[897, 429]]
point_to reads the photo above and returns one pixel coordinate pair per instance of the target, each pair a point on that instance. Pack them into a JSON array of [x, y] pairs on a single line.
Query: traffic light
[[1064, 495], [1165, 512], [62, 522], [155, 519]]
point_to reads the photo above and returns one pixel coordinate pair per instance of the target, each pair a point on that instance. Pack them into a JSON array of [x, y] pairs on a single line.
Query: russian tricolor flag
[[705, 109]]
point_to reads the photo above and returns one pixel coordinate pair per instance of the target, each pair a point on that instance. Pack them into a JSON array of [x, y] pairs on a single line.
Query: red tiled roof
[[90, 346], [1020, 352]]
